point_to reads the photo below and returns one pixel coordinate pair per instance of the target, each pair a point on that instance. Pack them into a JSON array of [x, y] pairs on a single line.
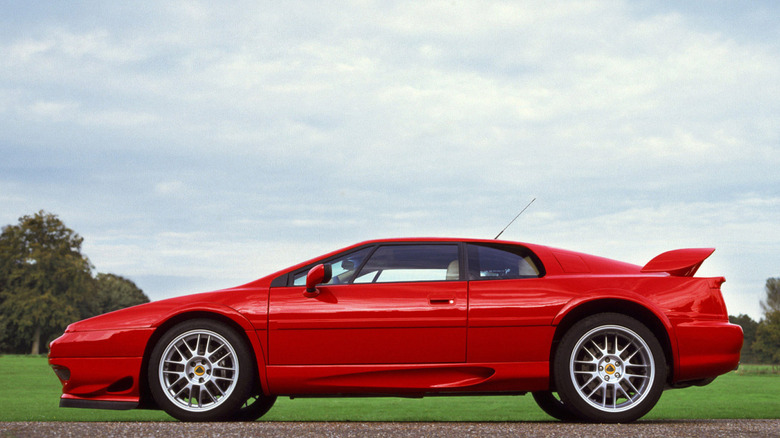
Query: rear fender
[[628, 303]]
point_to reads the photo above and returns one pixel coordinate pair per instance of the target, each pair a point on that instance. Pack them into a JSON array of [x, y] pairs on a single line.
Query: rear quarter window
[[502, 262]]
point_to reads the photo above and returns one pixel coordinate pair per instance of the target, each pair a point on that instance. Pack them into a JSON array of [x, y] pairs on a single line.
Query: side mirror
[[317, 275]]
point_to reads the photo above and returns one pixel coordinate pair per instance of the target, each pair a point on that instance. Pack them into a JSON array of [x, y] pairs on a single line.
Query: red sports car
[[411, 318]]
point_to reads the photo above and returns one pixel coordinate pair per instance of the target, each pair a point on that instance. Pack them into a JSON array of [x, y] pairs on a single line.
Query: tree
[[115, 292], [749, 326], [772, 289], [45, 281], [767, 343]]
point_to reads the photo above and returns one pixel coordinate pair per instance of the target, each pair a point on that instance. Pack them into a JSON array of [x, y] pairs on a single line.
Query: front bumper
[[100, 369]]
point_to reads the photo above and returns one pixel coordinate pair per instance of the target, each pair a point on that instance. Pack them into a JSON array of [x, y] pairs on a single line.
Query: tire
[[201, 370], [253, 408], [552, 406], [609, 368]]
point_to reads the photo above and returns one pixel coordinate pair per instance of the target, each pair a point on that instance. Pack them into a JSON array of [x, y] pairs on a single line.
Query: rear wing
[[679, 262]]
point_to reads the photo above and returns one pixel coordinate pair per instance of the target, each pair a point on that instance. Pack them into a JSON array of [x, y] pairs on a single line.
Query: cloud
[[282, 131]]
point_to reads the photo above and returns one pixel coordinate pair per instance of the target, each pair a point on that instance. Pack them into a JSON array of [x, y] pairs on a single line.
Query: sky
[[197, 146]]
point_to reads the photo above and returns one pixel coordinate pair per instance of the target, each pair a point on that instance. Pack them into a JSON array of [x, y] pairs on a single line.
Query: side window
[[343, 267], [502, 262], [397, 263]]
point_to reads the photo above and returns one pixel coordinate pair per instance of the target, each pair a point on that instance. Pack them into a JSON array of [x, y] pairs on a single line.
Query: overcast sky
[[197, 146]]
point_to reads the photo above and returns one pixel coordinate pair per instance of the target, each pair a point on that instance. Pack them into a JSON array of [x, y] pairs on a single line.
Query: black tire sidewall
[[552, 406], [257, 409], [566, 388], [244, 384]]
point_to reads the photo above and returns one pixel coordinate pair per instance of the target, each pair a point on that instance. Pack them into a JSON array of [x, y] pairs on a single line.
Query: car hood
[[154, 313]]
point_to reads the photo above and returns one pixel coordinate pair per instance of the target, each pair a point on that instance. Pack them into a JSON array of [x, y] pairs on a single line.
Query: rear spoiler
[[680, 262]]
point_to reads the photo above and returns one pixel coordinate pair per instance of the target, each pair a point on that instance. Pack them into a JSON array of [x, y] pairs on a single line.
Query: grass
[[31, 391], [748, 370]]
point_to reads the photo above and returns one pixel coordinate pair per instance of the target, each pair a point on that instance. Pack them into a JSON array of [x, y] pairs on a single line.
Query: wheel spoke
[[181, 377], [593, 378], [192, 352], [628, 396], [628, 359], [598, 348], [636, 376], [175, 362], [222, 358], [229, 379], [184, 358], [224, 368], [192, 397], [186, 387], [203, 390], [614, 395], [619, 351], [221, 393]]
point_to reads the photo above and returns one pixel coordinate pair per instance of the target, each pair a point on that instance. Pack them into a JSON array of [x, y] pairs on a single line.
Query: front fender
[[204, 307], [221, 311]]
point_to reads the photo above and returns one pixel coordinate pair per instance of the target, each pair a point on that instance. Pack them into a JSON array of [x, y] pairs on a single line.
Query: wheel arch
[[146, 399], [660, 327]]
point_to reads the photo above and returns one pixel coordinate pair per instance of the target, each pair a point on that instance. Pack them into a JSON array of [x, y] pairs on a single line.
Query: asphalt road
[[666, 429]]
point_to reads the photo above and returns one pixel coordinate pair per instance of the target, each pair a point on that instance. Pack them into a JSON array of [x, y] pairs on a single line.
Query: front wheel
[[201, 370], [255, 407], [609, 368]]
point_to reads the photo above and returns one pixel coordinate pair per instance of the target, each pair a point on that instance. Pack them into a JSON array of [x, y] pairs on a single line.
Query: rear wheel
[[201, 370], [609, 368]]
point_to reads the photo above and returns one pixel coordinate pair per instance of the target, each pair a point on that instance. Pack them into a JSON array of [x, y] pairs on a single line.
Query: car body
[[414, 317]]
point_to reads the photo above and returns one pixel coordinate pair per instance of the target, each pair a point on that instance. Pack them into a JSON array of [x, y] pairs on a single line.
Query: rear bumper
[[706, 349]]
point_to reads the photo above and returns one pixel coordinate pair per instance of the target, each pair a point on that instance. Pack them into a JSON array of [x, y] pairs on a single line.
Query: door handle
[[440, 301]]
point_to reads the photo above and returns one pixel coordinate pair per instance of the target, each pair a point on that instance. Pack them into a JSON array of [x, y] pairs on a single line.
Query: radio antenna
[[518, 215]]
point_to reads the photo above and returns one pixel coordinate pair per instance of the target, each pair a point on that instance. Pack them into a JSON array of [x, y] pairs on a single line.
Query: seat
[[527, 267], [453, 271]]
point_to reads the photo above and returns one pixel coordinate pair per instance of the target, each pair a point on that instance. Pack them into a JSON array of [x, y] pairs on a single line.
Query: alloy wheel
[[199, 370], [612, 368]]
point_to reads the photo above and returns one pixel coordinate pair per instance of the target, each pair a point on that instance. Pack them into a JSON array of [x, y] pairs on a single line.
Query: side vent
[[121, 385]]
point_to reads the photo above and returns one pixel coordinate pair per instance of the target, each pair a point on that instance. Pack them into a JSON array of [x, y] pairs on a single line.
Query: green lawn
[[30, 392]]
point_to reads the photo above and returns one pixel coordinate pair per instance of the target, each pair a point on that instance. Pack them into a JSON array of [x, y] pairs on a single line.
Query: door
[[386, 304]]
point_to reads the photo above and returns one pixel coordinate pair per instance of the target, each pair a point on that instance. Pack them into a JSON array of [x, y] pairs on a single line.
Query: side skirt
[[97, 404], [412, 380]]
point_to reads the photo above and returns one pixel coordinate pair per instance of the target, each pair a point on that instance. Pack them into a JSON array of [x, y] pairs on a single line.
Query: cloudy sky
[[197, 147]]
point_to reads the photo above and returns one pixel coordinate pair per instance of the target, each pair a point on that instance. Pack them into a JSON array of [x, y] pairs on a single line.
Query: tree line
[[47, 283], [762, 338]]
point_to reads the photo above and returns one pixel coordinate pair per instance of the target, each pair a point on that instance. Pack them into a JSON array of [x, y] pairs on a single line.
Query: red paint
[[417, 338], [680, 262]]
